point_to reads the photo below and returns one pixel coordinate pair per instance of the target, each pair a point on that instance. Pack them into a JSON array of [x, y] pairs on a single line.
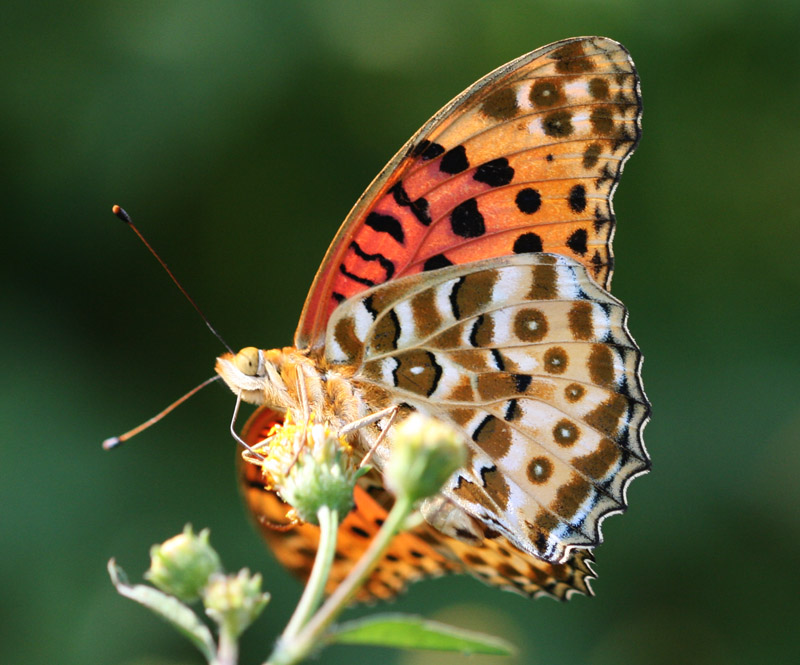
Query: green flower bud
[[324, 474], [425, 452], [182, 565], [234, 601]]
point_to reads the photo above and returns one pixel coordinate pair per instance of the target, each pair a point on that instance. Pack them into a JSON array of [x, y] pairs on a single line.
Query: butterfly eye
[[247, 361]]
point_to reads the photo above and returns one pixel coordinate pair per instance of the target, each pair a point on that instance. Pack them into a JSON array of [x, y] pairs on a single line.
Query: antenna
[[114, 441], [125, 217]]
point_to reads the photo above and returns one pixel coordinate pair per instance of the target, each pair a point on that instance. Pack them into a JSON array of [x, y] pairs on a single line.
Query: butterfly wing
[[533, 363], [525, 160]]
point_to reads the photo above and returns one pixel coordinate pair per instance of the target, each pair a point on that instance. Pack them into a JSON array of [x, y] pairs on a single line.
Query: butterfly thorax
[[289, 380]]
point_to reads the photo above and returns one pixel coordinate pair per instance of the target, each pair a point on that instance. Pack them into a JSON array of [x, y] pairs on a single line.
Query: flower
[[425, 453], [309, 466], [182, 565], [234, 600]]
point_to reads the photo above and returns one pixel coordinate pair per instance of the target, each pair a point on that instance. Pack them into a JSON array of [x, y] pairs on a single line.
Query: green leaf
[[168, 608], [412, 632]]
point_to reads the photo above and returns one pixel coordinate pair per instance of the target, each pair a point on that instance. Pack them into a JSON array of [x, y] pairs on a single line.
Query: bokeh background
[[238, 135]]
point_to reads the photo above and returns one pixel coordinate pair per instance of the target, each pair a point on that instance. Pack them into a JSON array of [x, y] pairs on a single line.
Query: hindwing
[[533, 363]]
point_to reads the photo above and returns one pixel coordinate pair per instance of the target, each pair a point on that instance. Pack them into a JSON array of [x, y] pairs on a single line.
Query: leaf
[[412, 632], [168, 608]]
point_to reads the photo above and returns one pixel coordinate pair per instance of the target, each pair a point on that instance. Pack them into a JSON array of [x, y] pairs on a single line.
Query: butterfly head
[[256, 375]]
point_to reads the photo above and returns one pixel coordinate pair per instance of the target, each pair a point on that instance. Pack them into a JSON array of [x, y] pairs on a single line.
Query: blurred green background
[[238, 135]]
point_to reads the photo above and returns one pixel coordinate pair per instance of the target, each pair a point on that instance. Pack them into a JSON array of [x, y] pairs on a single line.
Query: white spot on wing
[[580, 117], [442, 300], [567, 281], [388, 366], [501, 326], [506, 288], [600, 321], [518, 450], [576, 88], [334, 350], [535, 126], [405, 320], [362, 320], [535, 415], [443, 297], [517, 501], [523, 95], [526, 363]]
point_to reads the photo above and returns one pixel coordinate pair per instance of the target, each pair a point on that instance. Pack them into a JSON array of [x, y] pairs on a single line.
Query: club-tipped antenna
[[125, 217], [115, 441]]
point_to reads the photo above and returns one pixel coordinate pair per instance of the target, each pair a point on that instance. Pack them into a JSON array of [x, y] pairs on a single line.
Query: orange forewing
[[526, 159]]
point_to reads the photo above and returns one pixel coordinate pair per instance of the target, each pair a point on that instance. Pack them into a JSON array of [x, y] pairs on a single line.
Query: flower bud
[[182, 565], [234, 600], [425, 452], [323, 474]]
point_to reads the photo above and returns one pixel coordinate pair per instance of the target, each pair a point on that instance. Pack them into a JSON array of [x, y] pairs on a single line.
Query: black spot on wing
[[527, 243], [385, 263], [436, 261], [528, 200], [454, 161], [558, 124], [386, 224], [421, 211], [577, 241], [512, 411], [496, 173], [370, 307], [466, 220], [418, 208], [400, 195], [354, 277], [499, 363], [427, 150], [521, 382], [476, 435], [476, 326], [454, 298], [577, 198]]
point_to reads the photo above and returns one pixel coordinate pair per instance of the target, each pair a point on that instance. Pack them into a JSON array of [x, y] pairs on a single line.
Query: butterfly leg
[[367, 420], [252, 452], [380, 438], [390, 411]]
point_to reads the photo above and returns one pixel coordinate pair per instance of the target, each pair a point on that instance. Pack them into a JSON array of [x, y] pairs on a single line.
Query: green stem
[[312, 633], [228, 649], [315, 588]]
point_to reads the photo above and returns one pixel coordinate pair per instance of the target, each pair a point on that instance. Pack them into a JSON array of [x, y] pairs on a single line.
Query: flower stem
[[315, 588], [228, 648], [311, 634]]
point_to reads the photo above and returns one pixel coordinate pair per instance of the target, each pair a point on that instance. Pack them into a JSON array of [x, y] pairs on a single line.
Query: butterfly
[[470, 283]]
